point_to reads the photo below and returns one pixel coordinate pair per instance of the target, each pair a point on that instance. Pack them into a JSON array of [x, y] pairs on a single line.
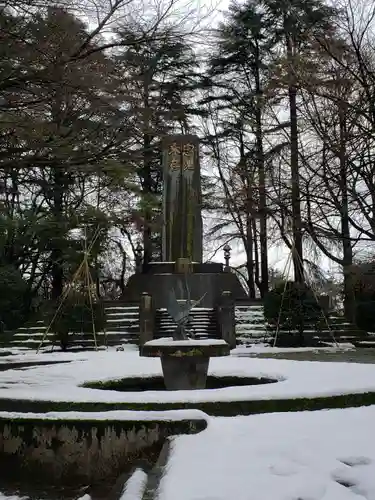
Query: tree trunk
[[257, 277], [297, 256], [146, 177], [57, 258], [147, 189], [296, 196], [262, 189], [11, 195], [249, 257], [347, 260]]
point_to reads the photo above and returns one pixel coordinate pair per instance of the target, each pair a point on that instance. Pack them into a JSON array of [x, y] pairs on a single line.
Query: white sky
[[212, 12]]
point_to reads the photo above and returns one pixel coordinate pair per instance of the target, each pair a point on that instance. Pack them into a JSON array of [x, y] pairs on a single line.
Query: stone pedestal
[[184, 362], [226, 319], [185, 373], [146, 319]]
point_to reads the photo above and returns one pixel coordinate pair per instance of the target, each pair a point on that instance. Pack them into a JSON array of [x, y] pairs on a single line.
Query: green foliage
[[293, 305], [364, 296], [13, 288], [365, 314], [76, 316], [214, 408]]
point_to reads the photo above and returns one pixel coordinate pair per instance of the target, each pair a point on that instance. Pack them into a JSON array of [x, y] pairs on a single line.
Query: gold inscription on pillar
[[188, 157], [174, 156]]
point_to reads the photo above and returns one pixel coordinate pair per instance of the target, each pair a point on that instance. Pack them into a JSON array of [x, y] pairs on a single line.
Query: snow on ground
[[60, 382], [266, 349], [46, 355], [321, 455], [135, 486], [167, 341], [12, 497], [123, 415], [279, 456]]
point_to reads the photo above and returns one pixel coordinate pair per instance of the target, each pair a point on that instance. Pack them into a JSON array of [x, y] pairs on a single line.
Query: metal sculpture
[[180, 310]]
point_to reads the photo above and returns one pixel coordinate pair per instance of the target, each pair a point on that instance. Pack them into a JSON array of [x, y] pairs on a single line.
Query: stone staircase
[[122, 326], [122, 323], [335, 329], [251, 328], [203, 322], [250, 324]]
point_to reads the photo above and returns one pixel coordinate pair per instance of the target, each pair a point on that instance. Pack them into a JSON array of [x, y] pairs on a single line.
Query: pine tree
[[239, 72], [158, 76], [60, 127], [297, 24]]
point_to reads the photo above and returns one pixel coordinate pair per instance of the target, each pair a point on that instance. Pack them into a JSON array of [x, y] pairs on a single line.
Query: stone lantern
[[227, 249], [138, 253]]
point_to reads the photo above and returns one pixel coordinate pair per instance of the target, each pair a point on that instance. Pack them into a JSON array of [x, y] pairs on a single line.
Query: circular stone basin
[[184, 362], [141, 384], [184, 348]]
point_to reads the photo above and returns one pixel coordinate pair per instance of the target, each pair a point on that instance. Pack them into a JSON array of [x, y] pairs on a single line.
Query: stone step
[[255, 307], [251, 326], [202, 321], [21, 336], [194, 310], [193, 321], [255, 340], [249, 317], [193, 317], [121, 320], [198, 336], [321, 333], [129, 317], [110, 342], [167, 331], [364, 343], [253, 334], [193, 324], [249, 312], [197, 324], [121, 308]]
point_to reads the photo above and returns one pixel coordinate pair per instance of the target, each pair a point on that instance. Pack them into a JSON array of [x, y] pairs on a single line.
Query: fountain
[[184, 359]]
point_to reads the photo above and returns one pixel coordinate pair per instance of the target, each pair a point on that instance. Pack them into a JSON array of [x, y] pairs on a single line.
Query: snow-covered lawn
[[267, 349], [19, 355], [60, 382], [322, 455], [279, 456]]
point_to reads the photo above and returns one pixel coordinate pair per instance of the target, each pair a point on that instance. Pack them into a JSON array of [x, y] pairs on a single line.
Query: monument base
[[184, 362], [206, 279]]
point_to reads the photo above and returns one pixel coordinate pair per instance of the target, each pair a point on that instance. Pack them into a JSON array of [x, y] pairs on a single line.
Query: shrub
[[13, 289], [76, 316], [363, 279], [295, 306], [365, 315]]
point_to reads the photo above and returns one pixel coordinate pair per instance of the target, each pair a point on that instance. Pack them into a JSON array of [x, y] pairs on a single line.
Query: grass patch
[[214, 408], [141, 384]]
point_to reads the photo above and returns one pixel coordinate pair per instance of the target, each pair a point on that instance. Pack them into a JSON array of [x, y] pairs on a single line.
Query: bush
[[295, 306], [363, 279], [75, 316], [365, 315], [13, 289]]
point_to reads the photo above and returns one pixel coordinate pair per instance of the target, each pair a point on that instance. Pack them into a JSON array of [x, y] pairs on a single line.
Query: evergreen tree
[[61, 128], [240, 75], [298, 25], [158, 76]]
